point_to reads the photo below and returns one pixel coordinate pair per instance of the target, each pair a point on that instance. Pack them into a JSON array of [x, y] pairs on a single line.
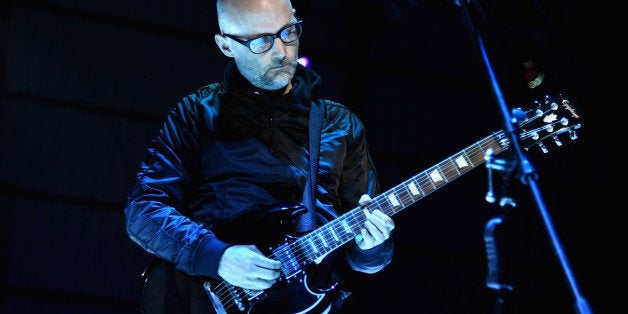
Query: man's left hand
[[377, 228]]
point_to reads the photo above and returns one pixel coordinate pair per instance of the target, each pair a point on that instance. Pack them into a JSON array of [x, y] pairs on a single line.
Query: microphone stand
[[528, 176]]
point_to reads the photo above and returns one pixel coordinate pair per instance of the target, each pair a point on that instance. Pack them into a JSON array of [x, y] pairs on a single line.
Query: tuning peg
[[557, 140], [543, 148], [564, 121], [573, 135]]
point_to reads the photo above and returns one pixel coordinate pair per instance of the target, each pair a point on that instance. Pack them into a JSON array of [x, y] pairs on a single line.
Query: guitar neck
[[341, 230]]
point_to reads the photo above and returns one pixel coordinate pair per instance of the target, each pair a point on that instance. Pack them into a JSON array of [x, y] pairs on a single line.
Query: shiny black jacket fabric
[[229, 149]]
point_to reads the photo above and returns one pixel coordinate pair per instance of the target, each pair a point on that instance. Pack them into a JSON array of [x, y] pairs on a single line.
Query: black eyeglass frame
[[247, 43]]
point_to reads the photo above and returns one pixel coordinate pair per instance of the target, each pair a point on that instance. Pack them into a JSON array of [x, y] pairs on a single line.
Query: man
[[224, 158]]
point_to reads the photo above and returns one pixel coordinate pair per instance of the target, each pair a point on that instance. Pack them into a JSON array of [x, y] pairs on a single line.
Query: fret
[[357, 220], [415, 190], [485, 147], [346, 227], [394, 201], [478, 155], [321, 243], [380, 203], [404, 195], [333, 237], [426, 184], [456, 166], [344, 232], [464, 162], [449, 171], [289, 263], [310, 241], [437, 178], [334, 234], [320, 236], [496, 147]]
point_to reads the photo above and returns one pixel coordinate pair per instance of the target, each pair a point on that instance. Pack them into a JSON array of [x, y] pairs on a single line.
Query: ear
[[223, 45]]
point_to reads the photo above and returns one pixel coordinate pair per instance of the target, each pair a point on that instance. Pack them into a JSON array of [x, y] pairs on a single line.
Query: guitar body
[[167, 290]]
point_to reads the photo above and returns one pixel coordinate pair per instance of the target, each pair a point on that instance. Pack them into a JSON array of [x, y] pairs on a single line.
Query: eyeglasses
[[261, 44]]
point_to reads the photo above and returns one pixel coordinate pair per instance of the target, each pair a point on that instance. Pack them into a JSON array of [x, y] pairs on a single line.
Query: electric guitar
[[296, 291]]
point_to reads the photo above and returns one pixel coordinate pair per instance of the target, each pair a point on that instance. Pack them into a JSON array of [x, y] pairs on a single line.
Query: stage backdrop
[[85, 83]]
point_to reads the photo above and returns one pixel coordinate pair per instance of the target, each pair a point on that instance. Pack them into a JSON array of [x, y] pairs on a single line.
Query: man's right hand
[[246, 267]]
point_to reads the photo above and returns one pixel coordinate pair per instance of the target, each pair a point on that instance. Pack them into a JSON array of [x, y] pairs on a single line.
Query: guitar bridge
[[239, 297], [220, 309]]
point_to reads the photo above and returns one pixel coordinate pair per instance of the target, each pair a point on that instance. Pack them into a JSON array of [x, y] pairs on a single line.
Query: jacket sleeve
[[360, 177], [156, 216]]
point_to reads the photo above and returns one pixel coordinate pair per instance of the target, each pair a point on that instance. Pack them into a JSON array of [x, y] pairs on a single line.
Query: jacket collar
[[304, 86]]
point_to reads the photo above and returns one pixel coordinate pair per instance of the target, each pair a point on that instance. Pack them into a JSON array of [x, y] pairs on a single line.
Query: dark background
[[84, 83]]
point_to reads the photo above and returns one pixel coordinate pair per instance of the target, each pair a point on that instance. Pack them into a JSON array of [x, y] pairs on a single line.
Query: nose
[[278, 49]]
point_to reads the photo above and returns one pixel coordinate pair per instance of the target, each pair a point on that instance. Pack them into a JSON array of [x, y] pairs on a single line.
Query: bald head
[[241, 21], [251, 16]]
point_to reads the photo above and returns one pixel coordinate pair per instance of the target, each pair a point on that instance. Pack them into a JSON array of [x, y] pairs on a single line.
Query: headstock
[[552, 117]]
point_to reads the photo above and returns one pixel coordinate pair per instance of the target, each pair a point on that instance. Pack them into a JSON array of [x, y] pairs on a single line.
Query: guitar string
[[223, 289], [379, 201], [222, 292], [402, 193], [406, 198], [225, 292], [355, 217], [447, 167]]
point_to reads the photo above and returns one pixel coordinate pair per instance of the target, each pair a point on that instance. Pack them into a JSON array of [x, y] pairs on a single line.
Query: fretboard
[[339, 231]]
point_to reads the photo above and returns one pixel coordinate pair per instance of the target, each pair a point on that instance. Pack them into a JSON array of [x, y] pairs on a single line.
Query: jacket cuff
[[372, 260], [207, 258]]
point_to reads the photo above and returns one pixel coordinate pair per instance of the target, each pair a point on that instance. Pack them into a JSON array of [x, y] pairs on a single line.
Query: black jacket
[[230, 149]]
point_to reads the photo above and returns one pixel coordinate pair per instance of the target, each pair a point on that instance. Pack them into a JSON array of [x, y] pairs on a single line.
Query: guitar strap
[[307, 221]]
